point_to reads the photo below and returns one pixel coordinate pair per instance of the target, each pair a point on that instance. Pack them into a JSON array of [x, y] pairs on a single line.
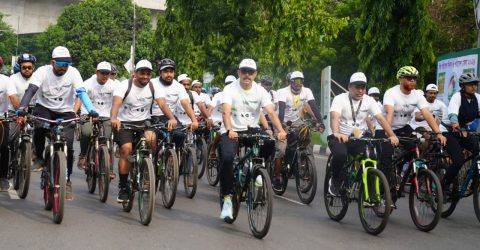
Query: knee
[[125, 150]]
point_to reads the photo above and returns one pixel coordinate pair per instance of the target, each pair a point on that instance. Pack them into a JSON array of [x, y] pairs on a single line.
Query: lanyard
[[355, 113], [296, 101]]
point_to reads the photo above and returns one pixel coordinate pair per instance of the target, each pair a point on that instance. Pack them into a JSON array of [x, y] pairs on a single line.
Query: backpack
[[150, 85]]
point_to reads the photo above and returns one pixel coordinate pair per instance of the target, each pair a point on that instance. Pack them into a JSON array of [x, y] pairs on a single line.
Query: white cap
[[230, 79], [143, 64], [431, 87], [183, 77], [248, 63], [358, 78], [296, 74], [104, 66], [373, 90], [62, 54], [195, 82]]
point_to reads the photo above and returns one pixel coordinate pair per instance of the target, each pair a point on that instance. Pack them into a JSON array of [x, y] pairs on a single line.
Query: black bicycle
[[187, 161], [201, 147], [213, 157]]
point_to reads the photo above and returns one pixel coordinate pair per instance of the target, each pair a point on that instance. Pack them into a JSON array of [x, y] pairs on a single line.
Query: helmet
[[215, 90], [26, 58], [468, 78], [295, 75], [266, 80], [304, 133], [166, 63], [114, 68], [407, 71]]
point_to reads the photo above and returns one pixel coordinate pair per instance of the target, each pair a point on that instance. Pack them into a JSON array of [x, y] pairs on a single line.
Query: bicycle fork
[[365, 176]]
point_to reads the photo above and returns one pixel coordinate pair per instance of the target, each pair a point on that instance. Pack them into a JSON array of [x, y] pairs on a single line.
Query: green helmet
[[407, 71]]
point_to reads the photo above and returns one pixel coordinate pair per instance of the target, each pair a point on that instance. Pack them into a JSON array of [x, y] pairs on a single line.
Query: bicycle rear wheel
[[306, 178], [103, 172], [23, 170], [146, 191], [336, 206], [449, 201], [91, 170], [201, 155], [425, 200], [190, 172], [259, 202], [374, 202], [59, 182], [212, 167], [169, 178]]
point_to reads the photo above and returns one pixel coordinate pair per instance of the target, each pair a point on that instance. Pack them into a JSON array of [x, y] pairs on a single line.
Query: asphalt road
[[195, 224]]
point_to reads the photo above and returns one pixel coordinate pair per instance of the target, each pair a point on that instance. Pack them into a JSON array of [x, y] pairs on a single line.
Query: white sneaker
[[227, 210], [258, 181]]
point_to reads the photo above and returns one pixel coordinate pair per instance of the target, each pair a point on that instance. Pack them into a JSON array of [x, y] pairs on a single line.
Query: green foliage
[[8, 40]]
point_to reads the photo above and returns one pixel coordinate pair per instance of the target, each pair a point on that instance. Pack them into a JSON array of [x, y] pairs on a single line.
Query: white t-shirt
[[136, 107], [217, 114], [203, 98], [21, 84], [246, 105], [403, 105], [294, 103], [438, 110], [180, 112], [101, 95], [454, 107], [374, 120], [6, 89], [56, 93], [173, 93], [341, 105]]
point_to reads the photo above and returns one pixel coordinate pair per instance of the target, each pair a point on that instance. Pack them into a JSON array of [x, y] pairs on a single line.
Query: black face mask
[[165, 82]]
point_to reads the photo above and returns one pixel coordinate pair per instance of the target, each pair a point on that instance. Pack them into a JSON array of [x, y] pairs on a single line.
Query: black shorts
[[123, 136]]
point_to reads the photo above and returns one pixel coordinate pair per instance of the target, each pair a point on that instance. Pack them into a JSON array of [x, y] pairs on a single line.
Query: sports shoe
[[4, 185], [81, 162], [38, 165], [68, 191], [258, 181], [278, 183], [334, 187], [123, 193], [227, 213]]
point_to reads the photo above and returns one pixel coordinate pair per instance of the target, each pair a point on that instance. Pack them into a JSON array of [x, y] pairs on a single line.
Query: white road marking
[[288, 199]]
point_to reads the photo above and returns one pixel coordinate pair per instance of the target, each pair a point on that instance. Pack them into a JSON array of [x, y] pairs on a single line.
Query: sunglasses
[[298, 81], [411, 78], [247, 71], [105, 73], [63, 64], [27, 68], [113, 74], [375, 95]]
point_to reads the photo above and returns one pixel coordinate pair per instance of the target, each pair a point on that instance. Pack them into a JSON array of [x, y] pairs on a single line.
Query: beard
[[26, 76], [165, 82]]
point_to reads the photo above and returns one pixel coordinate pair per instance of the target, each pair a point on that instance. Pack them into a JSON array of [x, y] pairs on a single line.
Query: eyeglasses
[[27, 68], [113, 74], [104, 73], [411, 78], [247, 71], [63, 64], [375, 95], [298, 81]]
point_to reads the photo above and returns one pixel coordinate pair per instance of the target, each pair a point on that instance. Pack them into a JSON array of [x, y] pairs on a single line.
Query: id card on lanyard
[[356, 132]]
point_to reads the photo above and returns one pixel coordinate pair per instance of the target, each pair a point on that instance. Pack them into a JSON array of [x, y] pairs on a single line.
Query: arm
[[77, 105], [370, 125], [263, 121], [82, 95], [27, 97], [162, 104], [431, 122], [388, 130], [335, 127], [281, 111], [116, 103], [275, 122], [188, 109], [419, 117], [389, 111], [14, 100]]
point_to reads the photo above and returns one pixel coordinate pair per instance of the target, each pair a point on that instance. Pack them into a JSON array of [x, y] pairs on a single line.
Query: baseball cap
[[143, 64], [431, 87], [61, 54], [248, 64], [296, 74], [230, 79], [373, 90], [104, 67], [183, 77], [195, 82], [358, 78]]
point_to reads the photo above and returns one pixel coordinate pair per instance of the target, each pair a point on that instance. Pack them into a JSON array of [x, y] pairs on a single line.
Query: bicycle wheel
[[306, 178], [283, 187], [375, 202], [169, 178], [336, 206], [127, 206], [146, 191], [449, 201], [212, 167], [23, 171], [425, 200], [190, 172], [46, 184], [202, 155], [103, 172], [91, 170], [476, 200], [259, 202], [59, 185]]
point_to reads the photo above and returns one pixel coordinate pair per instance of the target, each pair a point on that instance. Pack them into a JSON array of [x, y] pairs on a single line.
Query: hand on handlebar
[[115, 123], [341, 137], [232, 135], [394, 140], [171, 124], [282, 136], [194, 125], [442, 139]]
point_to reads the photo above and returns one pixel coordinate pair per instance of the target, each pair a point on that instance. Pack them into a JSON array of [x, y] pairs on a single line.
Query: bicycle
[[201, 147], [187, 161], [363, 183], [98, 160], [141, 175], [425, 187], [213, 157], [247, 167]]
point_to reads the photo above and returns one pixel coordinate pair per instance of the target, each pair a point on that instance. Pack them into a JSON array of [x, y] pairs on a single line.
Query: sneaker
[[38, 165], [334, 187], [258, 181], [227, 213], [278, 182], [81, 162], [4, 185], [123, 193], [68, 193]]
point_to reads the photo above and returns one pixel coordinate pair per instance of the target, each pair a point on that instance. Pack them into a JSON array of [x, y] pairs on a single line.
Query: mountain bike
[[187, 161], [213, 157], [201, 147]]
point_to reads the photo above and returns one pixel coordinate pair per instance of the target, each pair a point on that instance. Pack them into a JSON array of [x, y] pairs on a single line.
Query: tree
[[7, 40]]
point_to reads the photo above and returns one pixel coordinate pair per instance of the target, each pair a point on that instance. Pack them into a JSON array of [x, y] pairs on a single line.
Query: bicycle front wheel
[[375, 202], [201, 154], [23, 170], [91, 169], [59, 183], [146, 191], [336, 206], [425, 200], [190, 172], [212, 166], [306, 178], [103, 175], [259, 202], [169, 178]]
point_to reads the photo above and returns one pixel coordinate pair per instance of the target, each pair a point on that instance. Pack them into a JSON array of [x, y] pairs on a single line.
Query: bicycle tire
[[384, 201], [449, 202], [190, 172], [259, 197], [59, 185], [24, 167], [476, 200], [284, 185], [47, 185], [90, 170], [127, 206], [202, 156], [332, 202], [146, 191], [213, 176], [430, 198], [103, 174], [169, 178], [306, 178]]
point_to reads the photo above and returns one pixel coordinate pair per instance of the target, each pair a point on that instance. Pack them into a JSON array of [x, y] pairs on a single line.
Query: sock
[[123, 179]]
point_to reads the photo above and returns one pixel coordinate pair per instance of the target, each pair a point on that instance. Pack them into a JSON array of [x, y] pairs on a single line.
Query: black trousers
[[40, 132], [340, 152], [454, 147], [4, 154]]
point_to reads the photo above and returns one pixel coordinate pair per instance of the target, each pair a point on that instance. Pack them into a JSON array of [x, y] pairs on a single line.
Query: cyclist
[[291, 101], [463, 109], [267, 83], [204, 98], [7, 93], [57, 84], [99, 88], [372, 124], [132, 102], [113, 74], [436, 107], [242, 103], [198, 101]]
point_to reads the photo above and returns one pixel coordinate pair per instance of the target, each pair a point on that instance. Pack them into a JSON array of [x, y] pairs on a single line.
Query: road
[[195, 224]]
